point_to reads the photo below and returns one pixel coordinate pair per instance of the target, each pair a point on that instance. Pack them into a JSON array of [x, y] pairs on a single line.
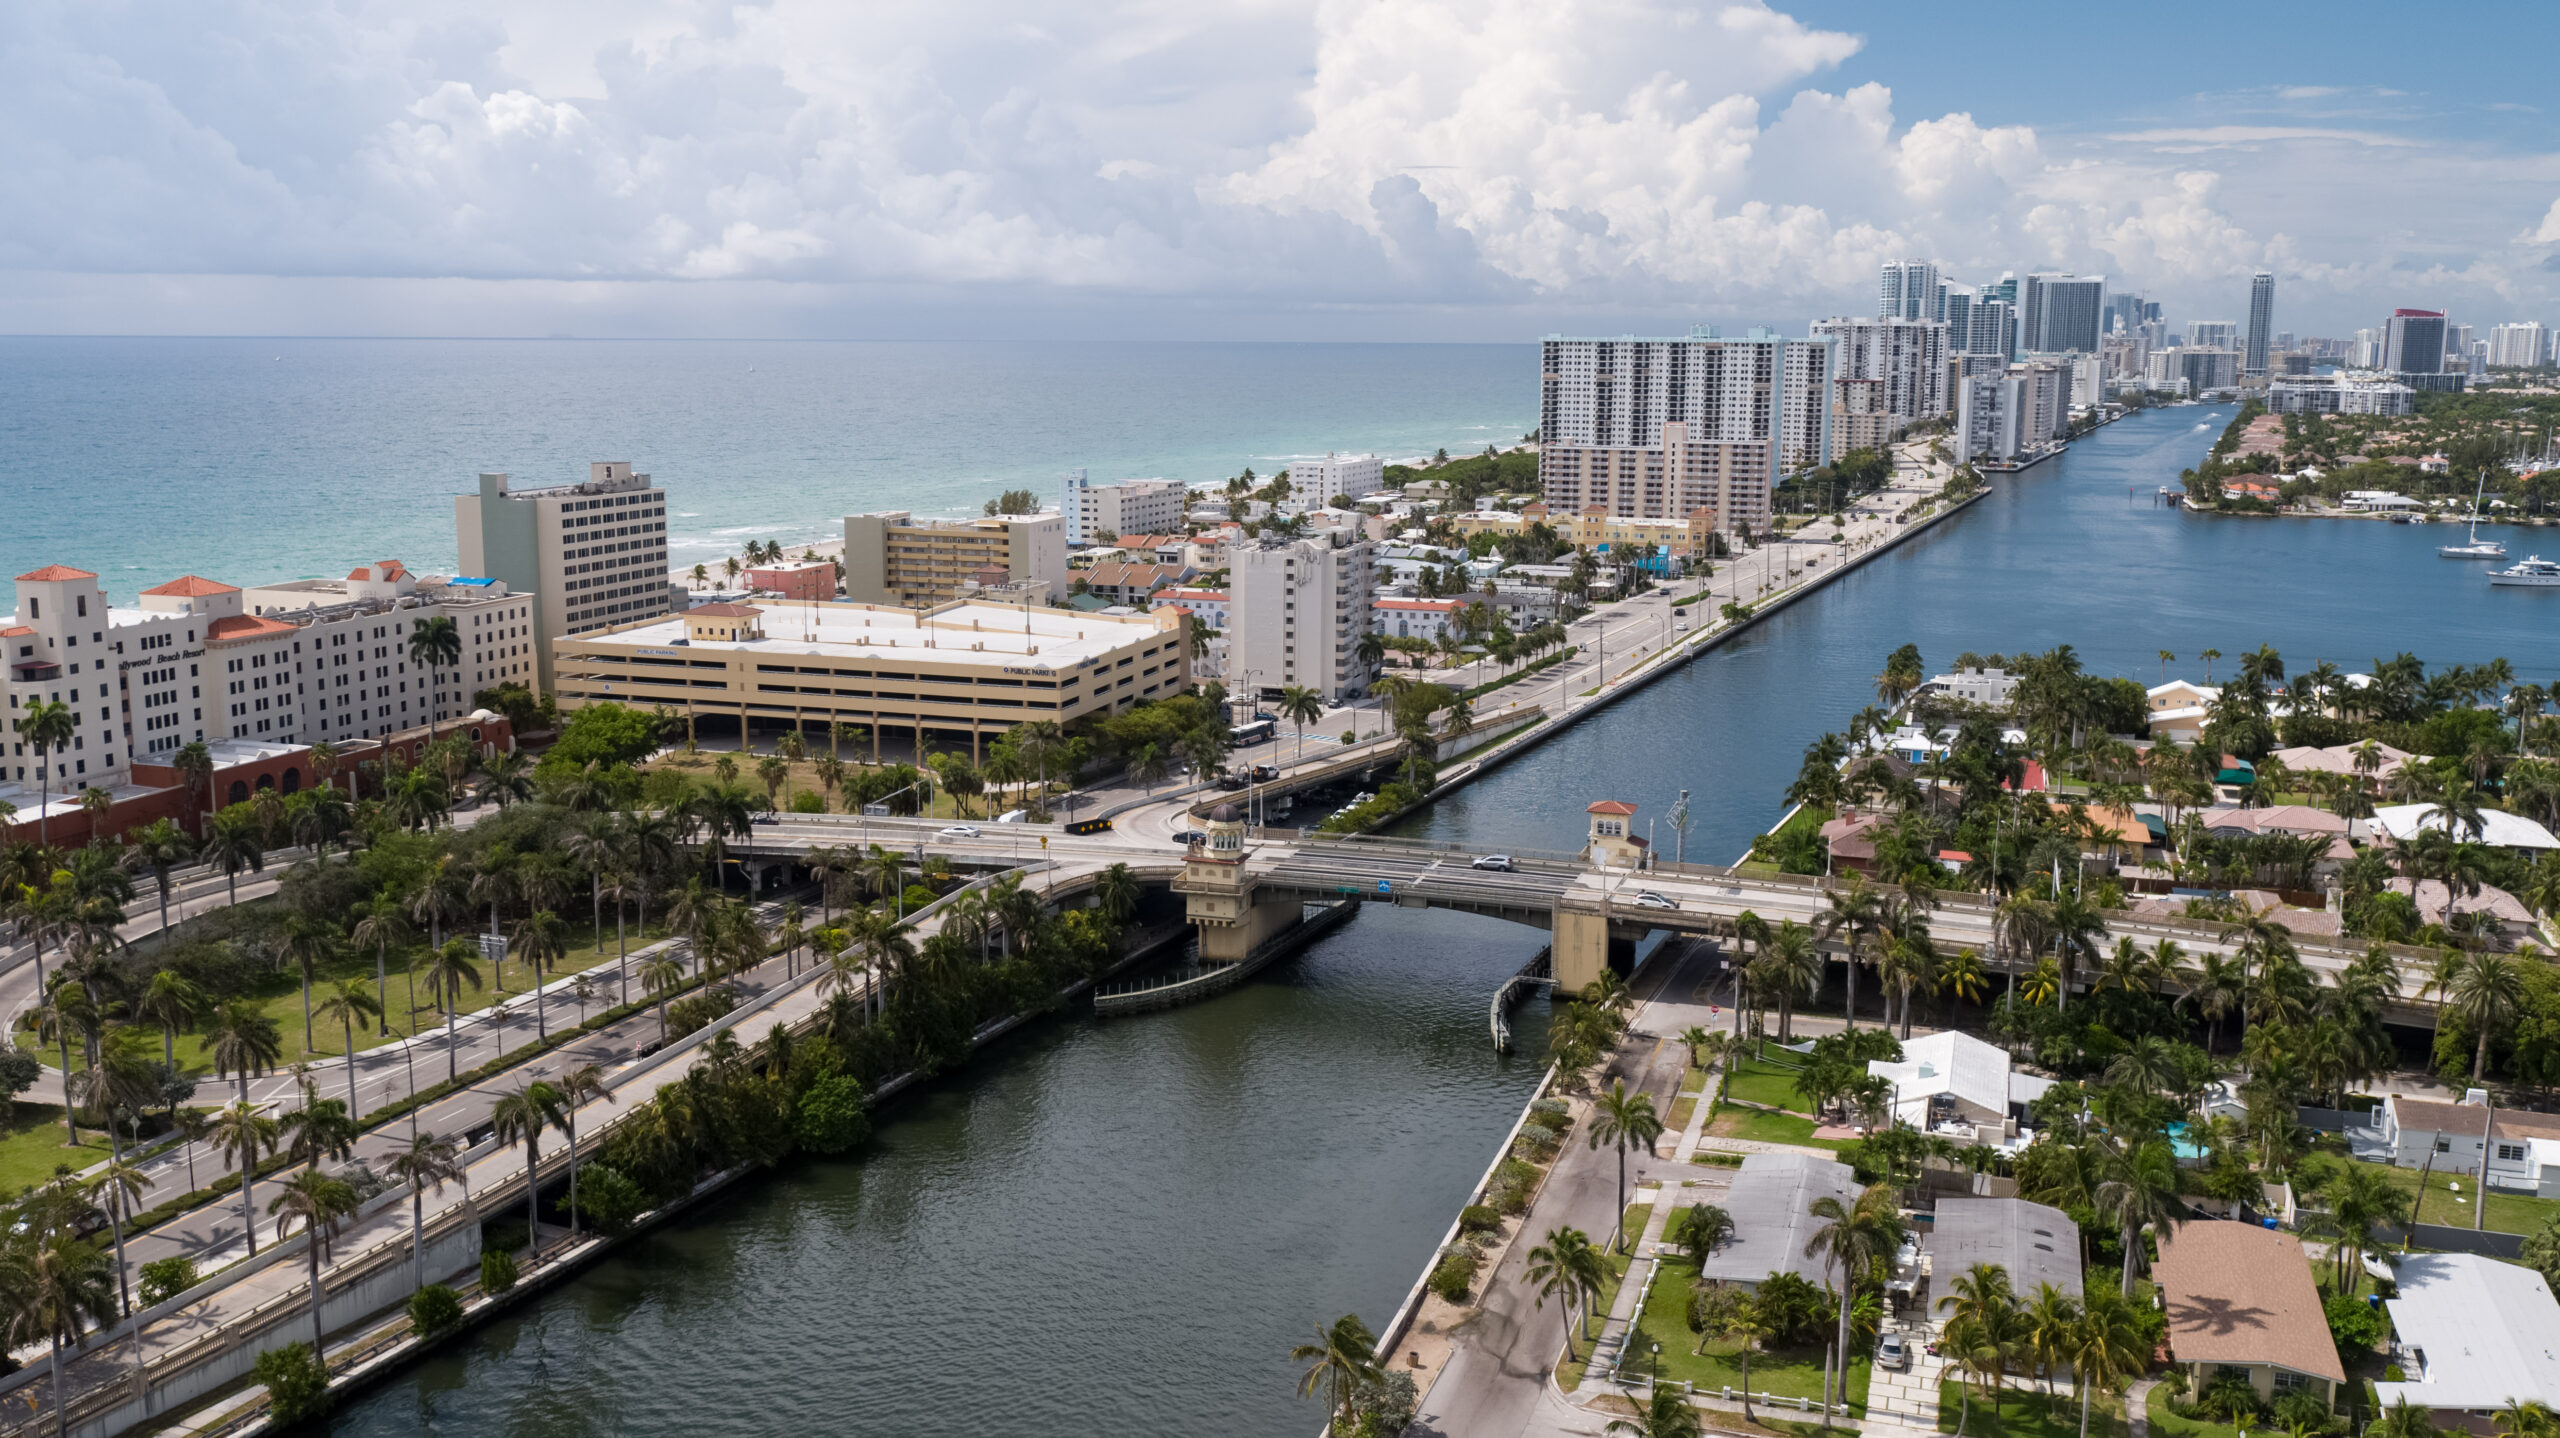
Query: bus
[[1253, 732]]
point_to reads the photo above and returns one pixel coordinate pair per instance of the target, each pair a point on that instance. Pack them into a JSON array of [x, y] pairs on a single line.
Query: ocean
[[253, 460]]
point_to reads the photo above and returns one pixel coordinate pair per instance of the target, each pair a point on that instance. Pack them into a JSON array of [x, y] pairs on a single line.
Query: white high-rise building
[[1297, 610], [1908, 356], [1664, 428], [2213, 334], [1910, 290], [1336, 476], [2457, 347], [1132, 506], [2521, 346], [590, 555], [2262, 323], [2365, 350], [2061, 313]]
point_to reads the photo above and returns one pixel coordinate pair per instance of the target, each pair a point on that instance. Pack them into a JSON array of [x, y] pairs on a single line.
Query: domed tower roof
[[1223, 814]]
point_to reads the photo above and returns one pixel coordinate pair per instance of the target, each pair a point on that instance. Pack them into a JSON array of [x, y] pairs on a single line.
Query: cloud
[[1695, 157]]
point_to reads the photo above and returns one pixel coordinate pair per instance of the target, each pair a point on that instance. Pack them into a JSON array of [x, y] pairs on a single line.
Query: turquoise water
[[2178, 1142], [255, 460]]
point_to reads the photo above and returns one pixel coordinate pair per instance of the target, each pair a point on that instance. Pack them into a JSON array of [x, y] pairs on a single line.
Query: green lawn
[[1788, 1372], [1683, 1109], [31, 1145], [1578, 1349], [1771, 1085], [2165, 1424], [284, 1005], [2508, 1212], [2023, 1415], [1761, 1126]]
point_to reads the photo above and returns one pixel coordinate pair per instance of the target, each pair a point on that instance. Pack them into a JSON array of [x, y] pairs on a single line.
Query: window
[[2511, 1152], [2443, 1144]]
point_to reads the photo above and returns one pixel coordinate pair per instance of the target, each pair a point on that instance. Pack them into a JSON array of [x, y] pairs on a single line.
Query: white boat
[[2475, 547], [2531, 572]]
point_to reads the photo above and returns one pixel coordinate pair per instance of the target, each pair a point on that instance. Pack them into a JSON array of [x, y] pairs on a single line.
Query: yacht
[[2531, 572], [2475, 547]]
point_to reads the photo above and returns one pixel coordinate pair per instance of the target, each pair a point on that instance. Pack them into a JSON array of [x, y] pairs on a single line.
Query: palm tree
[[2487, 993], [315, 1203], [2361, 1203], [193, 764], [433, 645], [1623, 1120], [171, 1001], [660, 977], [1793, 959], [1702, 1229], [308, 943], [448, 969], [1567, 1267], [161, 847], [47, 727], [540, 942], [1302, 706], [1341, 1362], [352, 1007], [1746, 1326], [239, 1131], [2402, 1421], [1858, 913], [61, 1287], [523, 1115], [244, 1042], [429, 1161], [577, 1086], [115, 1188], [231, 844], [1666, 1414], [2141, 1191], [1983, 1332], [1851, 1238], [2108, 1346]]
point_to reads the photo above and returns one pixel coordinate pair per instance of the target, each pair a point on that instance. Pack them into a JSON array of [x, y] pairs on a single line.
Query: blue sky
[[1416, 169]]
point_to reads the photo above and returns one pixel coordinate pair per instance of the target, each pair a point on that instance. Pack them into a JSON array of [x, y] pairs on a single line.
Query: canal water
[[1123, 1227], [2075, 551]]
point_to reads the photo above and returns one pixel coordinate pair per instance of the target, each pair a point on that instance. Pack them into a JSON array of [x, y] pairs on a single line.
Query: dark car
[[1191, 836], [1231, 782]]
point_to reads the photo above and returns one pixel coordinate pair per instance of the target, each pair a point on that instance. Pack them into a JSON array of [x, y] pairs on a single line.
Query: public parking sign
[[1386, 886]]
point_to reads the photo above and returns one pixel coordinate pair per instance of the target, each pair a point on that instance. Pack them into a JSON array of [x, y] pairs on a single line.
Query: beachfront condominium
[[1132, 506], [2414, 350], [1662, 428], [1297, 610], [2520, 346], [589, 555], [1319, 482], [2213, 334], [918, 680], [1907, 357], [2262, 324], [2061, 313], [199, 660], [893, 558], [1911, 290]]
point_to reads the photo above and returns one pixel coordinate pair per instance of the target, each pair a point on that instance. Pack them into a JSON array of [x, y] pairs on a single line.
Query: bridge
[[1243, 884]]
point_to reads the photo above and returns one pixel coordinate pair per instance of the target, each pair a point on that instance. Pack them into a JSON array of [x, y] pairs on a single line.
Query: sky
[[1282, 169]]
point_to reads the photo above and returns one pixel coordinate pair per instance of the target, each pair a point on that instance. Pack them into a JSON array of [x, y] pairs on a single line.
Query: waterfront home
[[2376, 501], [2402, 822], [1771, 1204], [2523, 1147], [1956, 1085], [2298, 820], [2117, 836], [1850, 841], [2178, 709], [1990, 688], [2473, 1335], [2241, 1305], [2033, 1243], [2440, 905]]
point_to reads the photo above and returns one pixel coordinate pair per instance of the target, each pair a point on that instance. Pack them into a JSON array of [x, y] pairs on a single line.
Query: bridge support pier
[[1584, 948]]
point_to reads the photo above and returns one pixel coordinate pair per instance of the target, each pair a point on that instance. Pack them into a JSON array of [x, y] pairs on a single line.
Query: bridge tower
[[1583, 944], [1218, 893]]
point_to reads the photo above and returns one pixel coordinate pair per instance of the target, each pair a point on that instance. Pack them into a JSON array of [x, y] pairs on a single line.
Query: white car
[[1498, 863], [958, 831], [1648, 899]]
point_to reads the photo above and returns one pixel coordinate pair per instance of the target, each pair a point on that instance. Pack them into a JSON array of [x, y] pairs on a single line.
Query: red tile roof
[[244, 626], [192, 586], [52, 572], [1611, 806], [17, 632]]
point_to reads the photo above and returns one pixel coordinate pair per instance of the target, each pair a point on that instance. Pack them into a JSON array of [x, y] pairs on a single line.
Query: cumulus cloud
[[1677, 154]]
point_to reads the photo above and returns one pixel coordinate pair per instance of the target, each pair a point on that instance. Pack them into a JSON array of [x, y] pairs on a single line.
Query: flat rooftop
[[1003, 636]]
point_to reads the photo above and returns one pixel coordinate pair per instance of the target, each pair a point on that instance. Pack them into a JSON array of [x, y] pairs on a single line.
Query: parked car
[[1893, 1351], [958, 831], [1231, 782], [1264, 773], [1499, 863], [1187, 837], [1648, 899]]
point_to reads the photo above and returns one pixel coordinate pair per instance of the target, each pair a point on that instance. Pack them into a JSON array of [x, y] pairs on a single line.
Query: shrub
[[1384, 1407], [166, 1278], [497, 1271], [808, 802], [831, 1118], [295, 1380], [2355, 1326], [1479, 1218], [1348, 738], [433, 1309], [2394, 1373], [1553, 1112], [1455, 1273], [608, 1199], [700, 1010]]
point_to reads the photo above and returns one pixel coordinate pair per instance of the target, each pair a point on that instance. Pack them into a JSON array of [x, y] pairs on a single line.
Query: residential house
[[2450, 1137], [2340, 759], [2032, 1243], [2178, 709], [2498, 827], [1425, 619], [2473, 1335], [2240, 1304], [1955, 1084], [1133, 583], [1209, 606], [1990, 688], [1770, 1204]]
